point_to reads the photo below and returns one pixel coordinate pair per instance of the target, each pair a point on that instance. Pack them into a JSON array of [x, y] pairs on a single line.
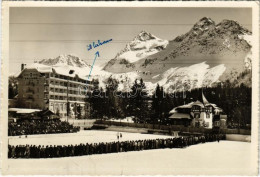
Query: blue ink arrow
[[96, 54]]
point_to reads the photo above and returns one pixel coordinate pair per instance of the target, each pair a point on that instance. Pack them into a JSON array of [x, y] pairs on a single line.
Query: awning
[[180, 116], [23, 110]]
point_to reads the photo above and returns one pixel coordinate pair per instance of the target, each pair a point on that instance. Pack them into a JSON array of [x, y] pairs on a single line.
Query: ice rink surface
[[225, 157], [87, 136]]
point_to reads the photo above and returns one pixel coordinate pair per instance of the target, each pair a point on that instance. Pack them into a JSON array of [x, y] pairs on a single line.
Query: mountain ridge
[[65, 59], [202, 57]]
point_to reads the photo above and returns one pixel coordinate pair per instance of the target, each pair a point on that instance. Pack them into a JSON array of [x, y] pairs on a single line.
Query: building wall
[[53, 91], [205, 119], [30, 90]]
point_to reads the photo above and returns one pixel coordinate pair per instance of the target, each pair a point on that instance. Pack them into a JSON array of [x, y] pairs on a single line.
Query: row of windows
[[65, 98], [76, 79], [199, 109], [31, 89], [62, 106], [197, 115], [64, 84], [30, 75], [29, 96], [75, 92], [30, 78], [31, 82]]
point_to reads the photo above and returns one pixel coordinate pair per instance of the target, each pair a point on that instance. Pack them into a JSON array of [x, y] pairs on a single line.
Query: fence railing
[[173, 127]]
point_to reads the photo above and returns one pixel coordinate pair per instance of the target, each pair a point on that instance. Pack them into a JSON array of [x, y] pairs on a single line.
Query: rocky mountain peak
[[65, 59], [143, 45], [231, 26], [144, 36], [203, 24]]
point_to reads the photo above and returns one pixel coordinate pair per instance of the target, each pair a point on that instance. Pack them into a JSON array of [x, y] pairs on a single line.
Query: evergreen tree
[[111, 100], [12, 87], [138, 100]]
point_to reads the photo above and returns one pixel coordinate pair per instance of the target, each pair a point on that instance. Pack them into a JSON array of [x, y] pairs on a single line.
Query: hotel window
[[30, 74], [196, 115], [196, 108], [207, 115], [51, 106]]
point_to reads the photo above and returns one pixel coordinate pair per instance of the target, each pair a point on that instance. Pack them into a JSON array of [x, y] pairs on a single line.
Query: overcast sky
[[40, 33]]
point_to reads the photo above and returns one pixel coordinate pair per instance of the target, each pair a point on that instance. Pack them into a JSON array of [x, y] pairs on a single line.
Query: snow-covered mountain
[[207, 54], [65, 60], [143, 45], [218, 49]]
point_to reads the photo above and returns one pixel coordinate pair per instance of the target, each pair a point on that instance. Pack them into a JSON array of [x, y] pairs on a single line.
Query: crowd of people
[[33, 151], [40, 127]]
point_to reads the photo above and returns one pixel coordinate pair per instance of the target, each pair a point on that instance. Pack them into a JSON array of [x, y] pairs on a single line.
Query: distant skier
[[117, 136]]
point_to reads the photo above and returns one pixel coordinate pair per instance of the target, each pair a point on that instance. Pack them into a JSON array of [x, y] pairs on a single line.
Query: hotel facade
[[62, 90]]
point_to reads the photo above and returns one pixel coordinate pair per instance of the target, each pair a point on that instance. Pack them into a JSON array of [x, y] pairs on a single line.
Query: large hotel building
[[62, 90]]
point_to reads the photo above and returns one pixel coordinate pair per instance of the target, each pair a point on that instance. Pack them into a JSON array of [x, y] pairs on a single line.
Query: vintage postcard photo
[[130, 88]]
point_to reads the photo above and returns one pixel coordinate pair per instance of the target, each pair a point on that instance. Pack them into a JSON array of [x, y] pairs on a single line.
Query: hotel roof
[[60, 69], [203, 104], [180, 116]]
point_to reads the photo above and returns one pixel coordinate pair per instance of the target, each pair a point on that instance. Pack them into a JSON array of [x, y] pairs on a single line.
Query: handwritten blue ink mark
[[94, 45]]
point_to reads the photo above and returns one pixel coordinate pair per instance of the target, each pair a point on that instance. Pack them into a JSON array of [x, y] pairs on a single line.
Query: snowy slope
[[191, 77], [186, 78], [64, 60], [248, 57], [143, 45], [125, 80]]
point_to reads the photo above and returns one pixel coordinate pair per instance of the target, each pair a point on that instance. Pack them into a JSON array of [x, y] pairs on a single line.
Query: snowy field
[[84, 136], [225, 157]]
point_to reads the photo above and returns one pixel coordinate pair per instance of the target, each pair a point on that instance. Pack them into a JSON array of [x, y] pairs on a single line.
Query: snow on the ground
[[84, 136], [225, 157]]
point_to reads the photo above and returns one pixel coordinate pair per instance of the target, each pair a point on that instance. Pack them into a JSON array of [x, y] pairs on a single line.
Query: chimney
[[22, 66]]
